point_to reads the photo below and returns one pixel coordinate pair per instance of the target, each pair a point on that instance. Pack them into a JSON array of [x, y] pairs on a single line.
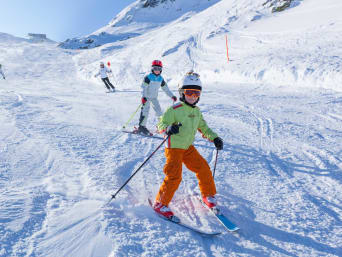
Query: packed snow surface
[[277, 105]]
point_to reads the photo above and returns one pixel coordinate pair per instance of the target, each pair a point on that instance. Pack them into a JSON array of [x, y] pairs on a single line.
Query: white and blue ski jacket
[[151, 85]]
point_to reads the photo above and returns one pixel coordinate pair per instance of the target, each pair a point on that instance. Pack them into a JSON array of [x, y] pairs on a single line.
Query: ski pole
[[130, 118], [114, 79], [215, 163], [114, 195]]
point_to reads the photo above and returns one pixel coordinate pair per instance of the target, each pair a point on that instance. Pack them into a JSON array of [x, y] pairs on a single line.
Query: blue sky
[[59, 19]]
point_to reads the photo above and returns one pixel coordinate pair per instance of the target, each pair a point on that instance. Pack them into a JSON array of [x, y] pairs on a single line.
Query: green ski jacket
[[191, 120]]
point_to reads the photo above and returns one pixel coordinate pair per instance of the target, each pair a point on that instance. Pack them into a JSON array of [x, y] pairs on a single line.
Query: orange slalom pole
[[227, 48]]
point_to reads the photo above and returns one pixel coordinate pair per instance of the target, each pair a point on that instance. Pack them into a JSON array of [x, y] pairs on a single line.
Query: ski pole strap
[[113, 196], [215, 163], [130, 118]]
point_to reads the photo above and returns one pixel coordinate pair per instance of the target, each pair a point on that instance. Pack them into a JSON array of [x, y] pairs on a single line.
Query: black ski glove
[[172, 129], [218, 143]]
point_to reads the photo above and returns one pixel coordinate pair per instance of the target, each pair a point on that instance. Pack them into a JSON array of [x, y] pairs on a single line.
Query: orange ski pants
[[192, 159]]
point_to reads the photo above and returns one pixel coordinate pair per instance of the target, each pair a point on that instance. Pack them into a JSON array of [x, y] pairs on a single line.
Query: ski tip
[[236, 229]]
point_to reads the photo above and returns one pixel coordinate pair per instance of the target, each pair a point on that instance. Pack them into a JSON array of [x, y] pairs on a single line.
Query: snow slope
[[62, 153], [300, 47]]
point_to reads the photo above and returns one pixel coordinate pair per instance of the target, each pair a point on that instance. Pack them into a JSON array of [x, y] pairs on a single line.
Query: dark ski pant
[[107, 83]]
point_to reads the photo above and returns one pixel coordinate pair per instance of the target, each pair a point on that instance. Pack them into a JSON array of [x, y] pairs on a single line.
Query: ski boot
[[165, 212], [211, 202], [143, 130]]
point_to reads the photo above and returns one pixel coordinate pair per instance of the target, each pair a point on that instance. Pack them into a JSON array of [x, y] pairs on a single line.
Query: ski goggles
[[192, 92], [157, 68]]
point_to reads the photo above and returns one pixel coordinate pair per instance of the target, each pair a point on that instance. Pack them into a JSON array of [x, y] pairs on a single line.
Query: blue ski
[[230, 226]]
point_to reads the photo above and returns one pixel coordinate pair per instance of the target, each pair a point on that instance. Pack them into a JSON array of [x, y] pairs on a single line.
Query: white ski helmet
[[191, 80], [101, 64]]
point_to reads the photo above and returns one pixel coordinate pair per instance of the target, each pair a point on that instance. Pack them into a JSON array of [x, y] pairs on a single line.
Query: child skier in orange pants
[[181, 122]]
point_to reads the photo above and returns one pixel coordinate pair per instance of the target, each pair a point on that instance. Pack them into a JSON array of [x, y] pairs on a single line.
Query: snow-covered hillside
[[276, 104], [298, 47], [139, 18]]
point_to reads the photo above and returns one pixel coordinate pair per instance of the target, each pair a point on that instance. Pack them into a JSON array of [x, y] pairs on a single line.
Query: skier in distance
[[103, 72], [1, 72], [150, 87]]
